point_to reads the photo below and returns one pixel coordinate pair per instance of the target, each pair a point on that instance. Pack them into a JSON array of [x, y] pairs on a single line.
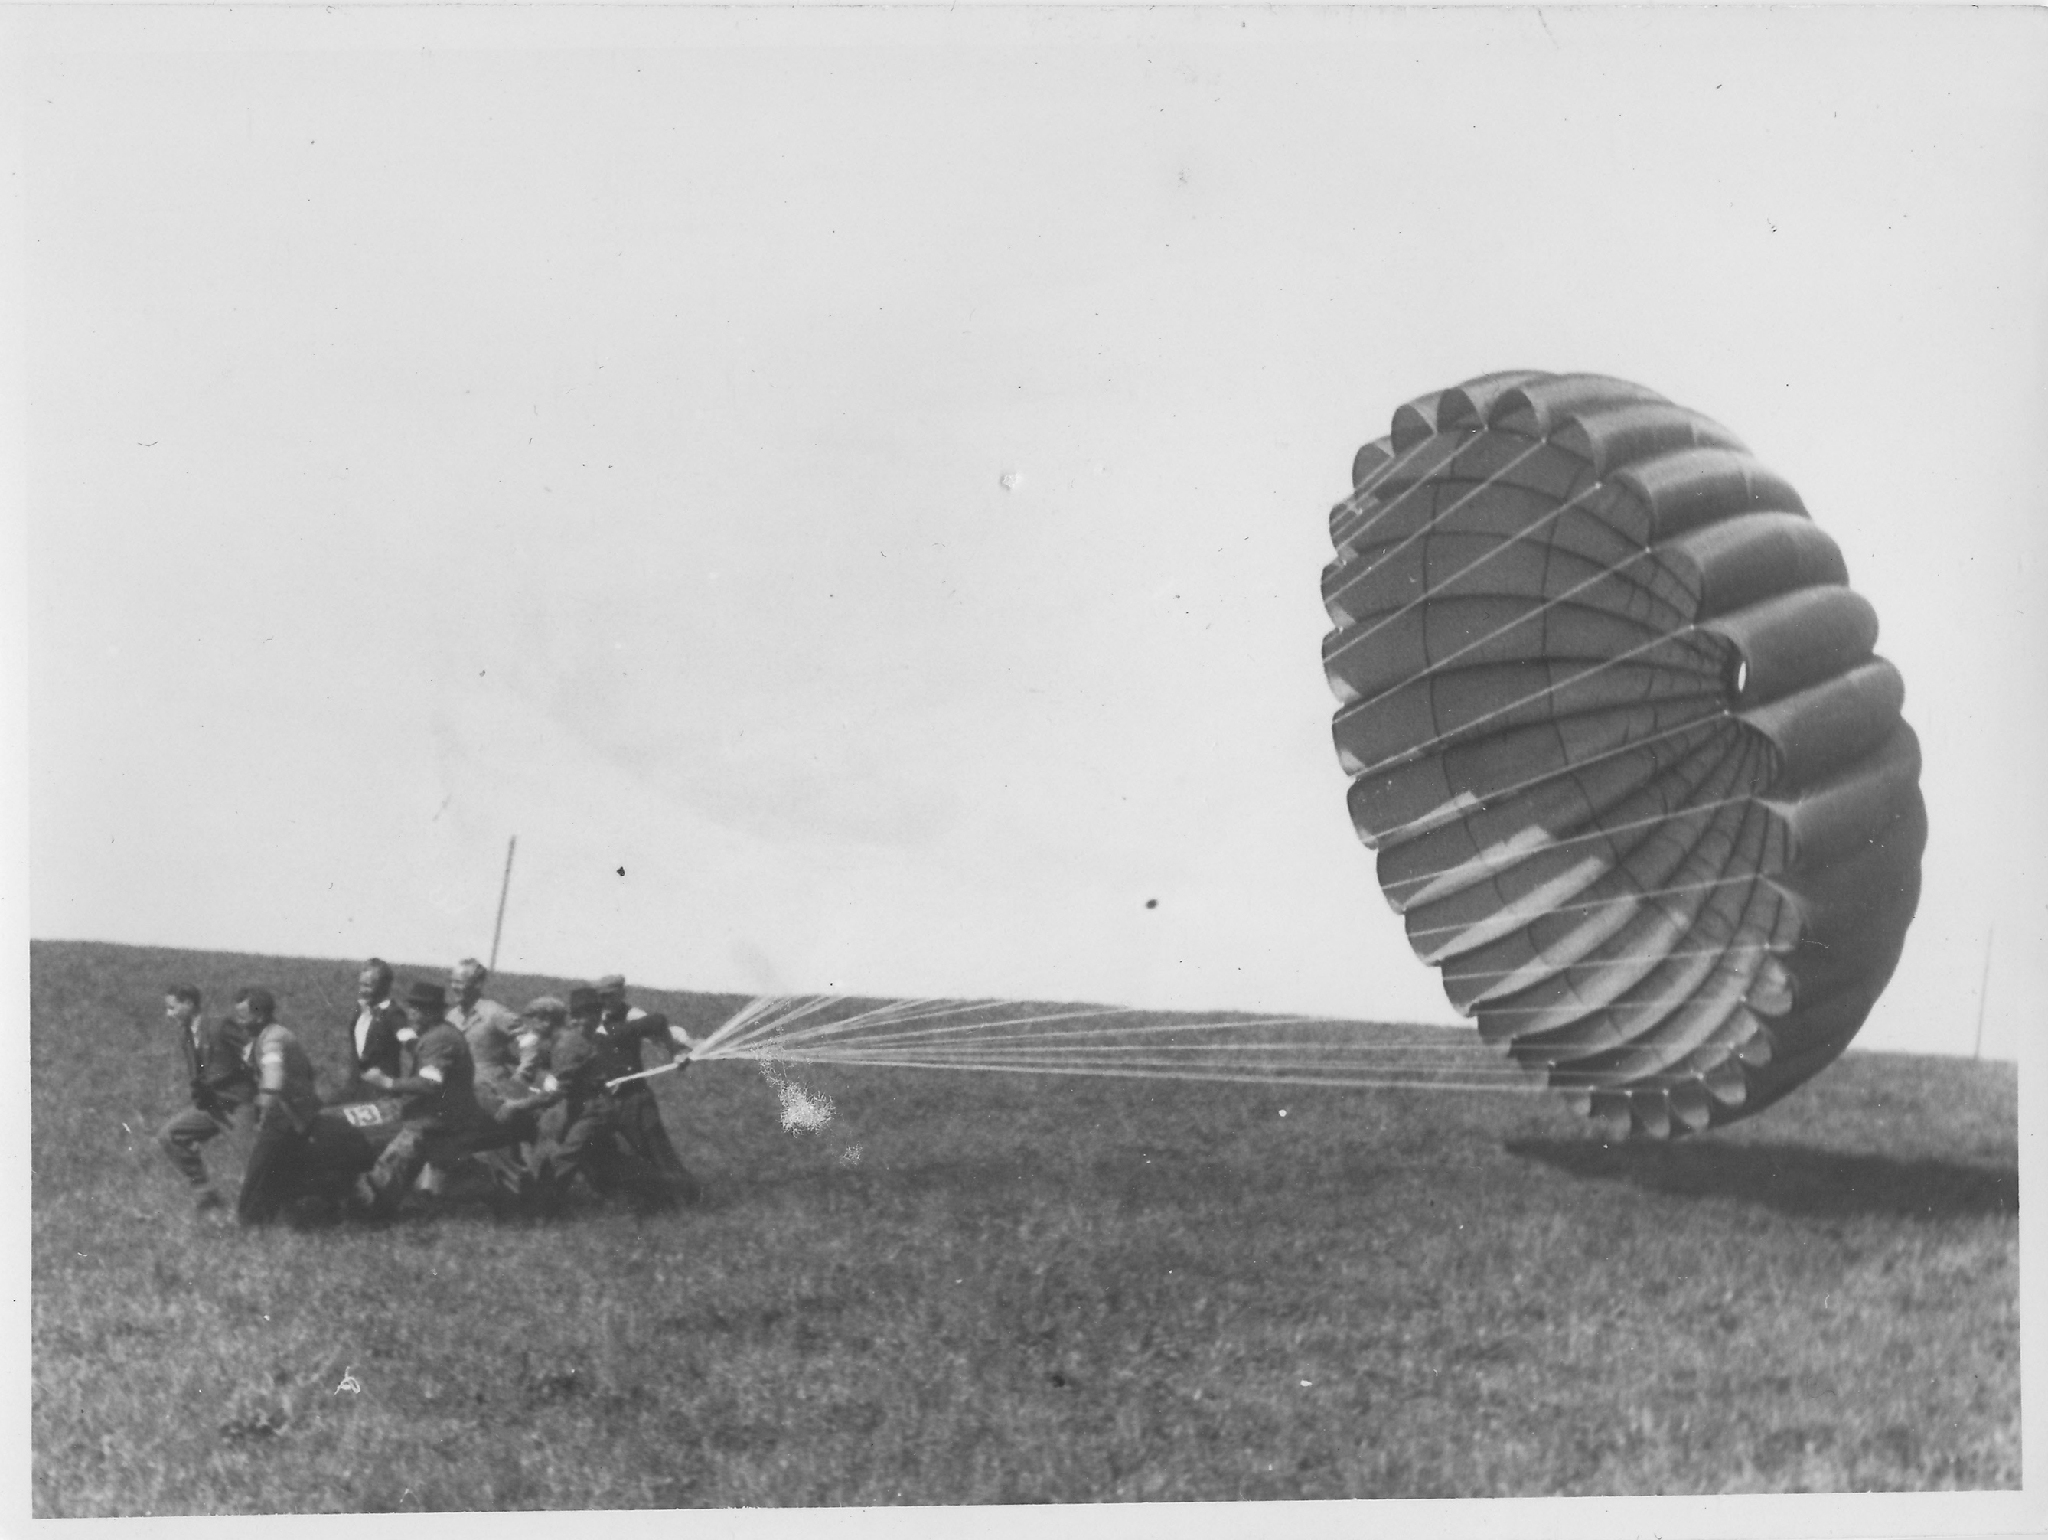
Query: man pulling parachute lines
[[1639, 786]]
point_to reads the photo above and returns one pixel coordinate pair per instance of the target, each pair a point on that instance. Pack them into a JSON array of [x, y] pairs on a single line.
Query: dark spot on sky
[[622, 871], [1151, 903]]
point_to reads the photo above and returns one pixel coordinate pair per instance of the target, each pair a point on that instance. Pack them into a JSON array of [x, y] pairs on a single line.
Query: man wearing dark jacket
[[377, 1034], [217, 1072], [581, 1133], [617, 1039], [441, 1119]]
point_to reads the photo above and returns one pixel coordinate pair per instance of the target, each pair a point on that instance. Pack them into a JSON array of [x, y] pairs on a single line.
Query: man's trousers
[[181, 1139]]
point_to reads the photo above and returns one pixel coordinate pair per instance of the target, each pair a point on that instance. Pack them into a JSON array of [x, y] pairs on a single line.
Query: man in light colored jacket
[[287, 1102]]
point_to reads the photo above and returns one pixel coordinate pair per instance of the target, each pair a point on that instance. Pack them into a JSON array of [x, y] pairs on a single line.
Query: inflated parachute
[[1638, 785]]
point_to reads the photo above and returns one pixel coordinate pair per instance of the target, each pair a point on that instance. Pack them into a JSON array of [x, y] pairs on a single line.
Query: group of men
[[444, 1078]]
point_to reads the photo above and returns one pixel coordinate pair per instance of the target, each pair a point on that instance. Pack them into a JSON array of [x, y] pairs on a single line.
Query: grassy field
[[1007, 1289]]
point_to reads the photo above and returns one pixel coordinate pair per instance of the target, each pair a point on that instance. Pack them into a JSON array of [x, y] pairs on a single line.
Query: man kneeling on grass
[[512, 1102], [287, 1102], [215, 1056], [440, 1118], [584, 1133]]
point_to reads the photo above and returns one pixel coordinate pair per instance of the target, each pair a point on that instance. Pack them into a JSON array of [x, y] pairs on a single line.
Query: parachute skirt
[[1638, 783]]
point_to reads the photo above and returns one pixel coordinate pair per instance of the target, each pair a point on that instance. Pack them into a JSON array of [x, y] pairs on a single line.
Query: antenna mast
[[504, 892]]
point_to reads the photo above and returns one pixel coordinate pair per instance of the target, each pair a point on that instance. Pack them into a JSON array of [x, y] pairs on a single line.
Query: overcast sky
[[848, 490]]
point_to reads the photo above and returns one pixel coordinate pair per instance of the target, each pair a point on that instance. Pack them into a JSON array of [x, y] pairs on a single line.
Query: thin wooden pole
[[1983, 989], [504, 892]]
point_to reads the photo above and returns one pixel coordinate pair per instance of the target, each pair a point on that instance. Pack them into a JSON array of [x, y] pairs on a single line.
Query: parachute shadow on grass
[[1790, 1178]]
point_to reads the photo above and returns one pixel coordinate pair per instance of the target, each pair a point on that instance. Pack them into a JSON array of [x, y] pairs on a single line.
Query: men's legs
[[514, 1122], [486, 1143], [272, 1175], [396, 1170], [521, 1122], [494, 1148], [563, 1149], [180, 1140], [645, 1134], [615, 1168], [590, 1142], [335, 1155]]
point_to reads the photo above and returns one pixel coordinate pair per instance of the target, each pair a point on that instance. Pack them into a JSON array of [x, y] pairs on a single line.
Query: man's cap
[[261, 1001], [547, 1007], [427, 997], [611, 986], [583, 999], [468, 968]]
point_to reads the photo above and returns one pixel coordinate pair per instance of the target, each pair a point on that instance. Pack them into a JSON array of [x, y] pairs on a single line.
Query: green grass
[[1028, 1290]]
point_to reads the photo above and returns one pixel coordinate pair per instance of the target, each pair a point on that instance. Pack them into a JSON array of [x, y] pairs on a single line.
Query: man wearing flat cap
[[543, 1018], [512, 1100], [492, 1032], [621, 1030]]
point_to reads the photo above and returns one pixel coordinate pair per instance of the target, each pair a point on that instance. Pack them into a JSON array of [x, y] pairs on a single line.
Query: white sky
[[865, 473]]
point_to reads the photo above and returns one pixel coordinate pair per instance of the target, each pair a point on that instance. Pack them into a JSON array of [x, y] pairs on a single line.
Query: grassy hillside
[[994, 1288]]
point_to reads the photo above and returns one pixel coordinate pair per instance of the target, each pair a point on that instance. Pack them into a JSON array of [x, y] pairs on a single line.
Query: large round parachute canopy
[[1638, 785]]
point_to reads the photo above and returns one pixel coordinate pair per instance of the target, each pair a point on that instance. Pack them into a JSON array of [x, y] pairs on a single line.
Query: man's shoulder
[[570, 1048], [228, 1047], [228, 1032], [485, 1013], [443, 1043]]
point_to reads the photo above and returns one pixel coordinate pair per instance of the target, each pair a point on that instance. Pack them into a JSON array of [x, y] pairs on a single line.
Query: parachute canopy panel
[[1638, 783]]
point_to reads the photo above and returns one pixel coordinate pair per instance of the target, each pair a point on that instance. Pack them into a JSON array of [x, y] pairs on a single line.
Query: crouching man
[[504, 1087], [287, 1102], [584, 1133], [439, 1116]]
